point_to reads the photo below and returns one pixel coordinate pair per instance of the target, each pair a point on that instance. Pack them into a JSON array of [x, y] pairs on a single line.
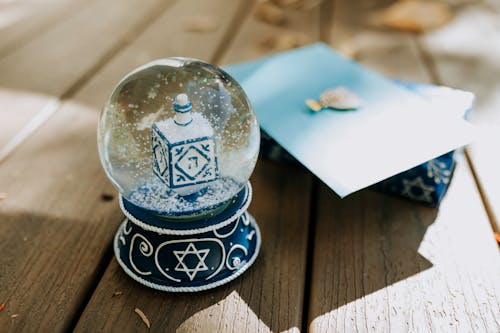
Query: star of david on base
[[200, 266]]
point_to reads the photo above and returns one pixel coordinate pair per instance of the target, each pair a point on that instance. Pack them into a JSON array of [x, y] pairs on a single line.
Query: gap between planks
[[49, 109], [230, 33], [364, 300], [431, 66], [38, 120], [287, 294], [54, 104], [327, 11], [234, 26], [484, 198], [311, 235], [103, 264]]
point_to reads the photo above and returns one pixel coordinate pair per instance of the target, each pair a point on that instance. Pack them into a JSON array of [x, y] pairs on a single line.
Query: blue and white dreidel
[[179, 140], [184, 150]]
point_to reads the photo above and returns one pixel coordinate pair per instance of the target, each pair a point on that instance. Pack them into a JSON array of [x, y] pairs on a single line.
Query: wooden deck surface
[[370, 262]]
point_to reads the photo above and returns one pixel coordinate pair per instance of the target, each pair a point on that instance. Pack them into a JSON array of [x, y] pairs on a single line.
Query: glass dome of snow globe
[[178, 138]]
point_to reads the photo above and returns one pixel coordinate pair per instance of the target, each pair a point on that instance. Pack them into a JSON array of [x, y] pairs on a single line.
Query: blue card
[[393, 131]]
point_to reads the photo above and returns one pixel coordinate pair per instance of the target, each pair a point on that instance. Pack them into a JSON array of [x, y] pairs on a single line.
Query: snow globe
[[179, 140]]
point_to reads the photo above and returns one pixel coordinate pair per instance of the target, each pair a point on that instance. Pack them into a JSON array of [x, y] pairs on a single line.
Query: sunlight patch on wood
[[21, 114], [231, 314]]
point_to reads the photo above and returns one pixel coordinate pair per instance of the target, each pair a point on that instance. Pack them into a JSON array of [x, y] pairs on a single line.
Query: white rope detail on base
[[215, 284], [166, 231]]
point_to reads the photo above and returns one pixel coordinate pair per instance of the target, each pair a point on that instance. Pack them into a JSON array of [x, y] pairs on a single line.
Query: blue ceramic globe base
[[181, 256]]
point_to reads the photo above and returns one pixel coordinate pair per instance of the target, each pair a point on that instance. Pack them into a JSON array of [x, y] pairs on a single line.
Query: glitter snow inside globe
[[179, 140]]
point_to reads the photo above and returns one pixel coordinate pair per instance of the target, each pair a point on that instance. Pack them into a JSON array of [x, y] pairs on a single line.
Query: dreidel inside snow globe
[[179, 140], [184, 150]]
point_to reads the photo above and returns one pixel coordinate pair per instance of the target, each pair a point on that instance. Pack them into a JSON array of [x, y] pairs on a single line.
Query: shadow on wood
[[363, 244], [32, 269]]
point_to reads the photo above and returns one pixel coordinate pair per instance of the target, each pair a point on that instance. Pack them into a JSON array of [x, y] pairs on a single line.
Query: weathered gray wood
[[26, 106], [53, 62], [56, 229], [267, 297], [464, 54], [21, 21], [304, 24], [380, 263], [384, 264], [57, 61], [158, 41], [51, 222]]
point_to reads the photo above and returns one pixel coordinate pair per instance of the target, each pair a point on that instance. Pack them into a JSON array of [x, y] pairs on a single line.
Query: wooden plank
[[299, 24], [55, 63], [465, 54], [53, 186], [21, 21], [26, 105], [385, 264], [345, 28], [152, 44], [56, 228], [50, 222], [267, 297]]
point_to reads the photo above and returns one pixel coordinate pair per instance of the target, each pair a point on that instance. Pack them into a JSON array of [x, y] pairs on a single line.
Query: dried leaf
[[283, 41], [143, 317], [298, 4], [269, 13], [414, 15], [14, 315], [285, 3], [200, 24], [340, 98]]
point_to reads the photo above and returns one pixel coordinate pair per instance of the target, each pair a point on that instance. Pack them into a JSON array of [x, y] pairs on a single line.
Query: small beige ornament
[[340, 98]]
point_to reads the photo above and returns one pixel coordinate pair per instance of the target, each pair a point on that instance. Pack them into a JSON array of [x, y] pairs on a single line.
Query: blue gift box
[[398, 126], [426, 183]]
